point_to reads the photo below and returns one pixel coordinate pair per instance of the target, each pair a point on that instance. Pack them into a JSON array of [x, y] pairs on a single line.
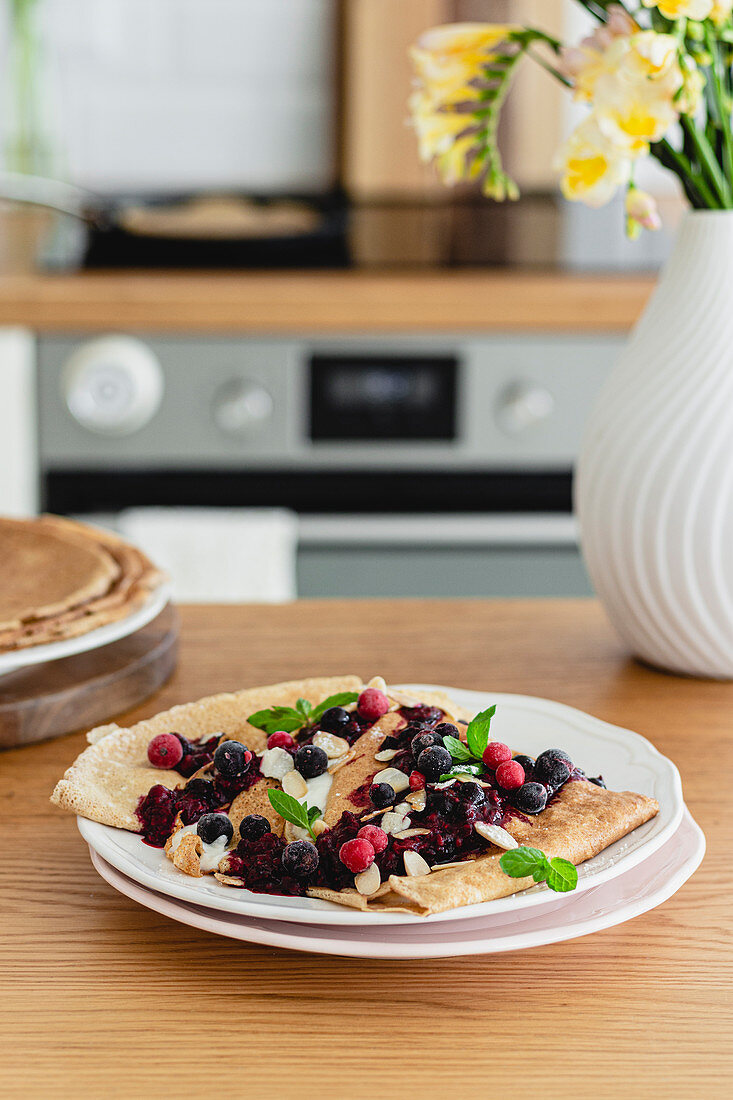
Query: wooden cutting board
[[51, 699]]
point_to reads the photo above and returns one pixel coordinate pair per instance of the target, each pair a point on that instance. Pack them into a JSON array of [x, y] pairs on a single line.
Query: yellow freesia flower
[[681, 9], [721, 11], [592, 167], [593, 56], [641, 211], [447, 58], [633, 113]]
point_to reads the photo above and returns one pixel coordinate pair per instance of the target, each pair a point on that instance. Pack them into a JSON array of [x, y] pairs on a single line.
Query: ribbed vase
[[654, 483]]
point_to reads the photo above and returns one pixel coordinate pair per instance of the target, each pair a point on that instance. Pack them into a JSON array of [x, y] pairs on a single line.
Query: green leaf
[[477, 733], [304, 708], [289, 808], [341, 699], [277, 718], [523, 861], [456, 748], [562, 875], [462, 769], [314, 812]]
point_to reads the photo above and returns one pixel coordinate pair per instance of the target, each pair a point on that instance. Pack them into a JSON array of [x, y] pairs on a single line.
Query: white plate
[[626, 761], [638, 890], [103, 635]]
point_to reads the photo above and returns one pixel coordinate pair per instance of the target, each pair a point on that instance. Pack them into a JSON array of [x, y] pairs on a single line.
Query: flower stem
[[709, 164], [722, 103]]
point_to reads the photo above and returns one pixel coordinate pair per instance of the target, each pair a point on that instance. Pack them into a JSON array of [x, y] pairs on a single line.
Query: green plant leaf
[[477, 733], [462, 769], [341, 699], [457, 749], [314, 812], [304, 708], [562, 875], [523, 861], [277, 718]]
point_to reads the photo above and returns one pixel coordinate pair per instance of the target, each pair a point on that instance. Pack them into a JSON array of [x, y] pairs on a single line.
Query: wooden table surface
[[102, 998]]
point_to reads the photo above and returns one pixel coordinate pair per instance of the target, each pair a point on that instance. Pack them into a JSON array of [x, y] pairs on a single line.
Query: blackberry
[[473, 793], [446, 729], [423, 741]]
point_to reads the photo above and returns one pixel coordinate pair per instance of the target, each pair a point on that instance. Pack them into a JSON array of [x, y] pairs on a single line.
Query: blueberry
[[311, 761], [202, 790], [551, 770], [382, 795], [526, 761], [554, 754], [531, 798], [300, 858], [423, 741], [334, 719], [253, 826], [472, 793], [211, 826], [232, 759], [597, 781], [434, 762], [446, 729]]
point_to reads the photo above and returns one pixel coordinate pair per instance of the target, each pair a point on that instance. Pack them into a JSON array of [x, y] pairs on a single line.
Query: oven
[[416, 465]]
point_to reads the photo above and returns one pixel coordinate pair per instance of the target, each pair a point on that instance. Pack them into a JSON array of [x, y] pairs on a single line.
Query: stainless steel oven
[[416, 465]]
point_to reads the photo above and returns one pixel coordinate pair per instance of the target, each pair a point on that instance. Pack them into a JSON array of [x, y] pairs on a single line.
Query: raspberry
[[165, 751], [495, 754], [376, 837], [417, 781], [372, 704], [280, 740], [357, 854], [510, 775]]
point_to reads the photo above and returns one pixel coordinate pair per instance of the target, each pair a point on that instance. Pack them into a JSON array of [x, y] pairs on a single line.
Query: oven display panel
[[383, 398]]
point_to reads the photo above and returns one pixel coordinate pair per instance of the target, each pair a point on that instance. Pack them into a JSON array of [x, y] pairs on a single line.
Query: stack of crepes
[[59, 579]]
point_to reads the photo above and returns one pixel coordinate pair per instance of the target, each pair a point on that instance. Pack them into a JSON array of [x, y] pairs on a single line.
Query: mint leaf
[[314, 812], [277, 718], [559, 874], [521, 862], [341, 699], [457, 749], [462, 769], [477, 733], [562, 876], [288, 807], [304, 707]]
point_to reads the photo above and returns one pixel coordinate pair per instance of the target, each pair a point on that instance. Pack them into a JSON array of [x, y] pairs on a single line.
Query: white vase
[[654, 483]]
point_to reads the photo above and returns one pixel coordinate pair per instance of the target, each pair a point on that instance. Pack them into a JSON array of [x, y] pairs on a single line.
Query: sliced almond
[[378, 682], [498, 836], [405, 833], [415, 865], [442, 786], [332, 745], [319, 826], [394, 823], [397, 780], [369, 881], [417, 800], [294, 784], [403, 698], [466, 777], [339, 763], [402, 808], [371, 816], [385, 754]]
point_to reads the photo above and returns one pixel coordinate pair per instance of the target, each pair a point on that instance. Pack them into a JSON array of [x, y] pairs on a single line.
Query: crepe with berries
[[106, 782]]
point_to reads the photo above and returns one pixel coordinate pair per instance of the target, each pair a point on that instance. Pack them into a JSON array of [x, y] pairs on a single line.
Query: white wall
[[177, 94]]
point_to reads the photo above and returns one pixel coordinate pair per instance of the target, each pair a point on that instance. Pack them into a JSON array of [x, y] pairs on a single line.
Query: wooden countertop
[[262, 302], [104, 998], [323, 302]]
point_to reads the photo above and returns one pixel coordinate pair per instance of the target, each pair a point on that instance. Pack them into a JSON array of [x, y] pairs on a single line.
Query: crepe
[[61, 579], [108, 779]]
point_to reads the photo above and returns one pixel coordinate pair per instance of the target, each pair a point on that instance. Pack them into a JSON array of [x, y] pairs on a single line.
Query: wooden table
[[102, 998]]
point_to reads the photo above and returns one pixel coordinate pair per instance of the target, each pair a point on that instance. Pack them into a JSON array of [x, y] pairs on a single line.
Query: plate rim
[[199, 917], [14, 660], [100, 836]]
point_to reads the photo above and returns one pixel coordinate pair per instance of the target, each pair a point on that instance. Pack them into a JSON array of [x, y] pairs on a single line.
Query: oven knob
[[241, 406], [522, 405], [113, 385]]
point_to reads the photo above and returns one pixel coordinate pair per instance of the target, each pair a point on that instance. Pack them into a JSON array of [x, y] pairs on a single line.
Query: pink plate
[[637, 890]]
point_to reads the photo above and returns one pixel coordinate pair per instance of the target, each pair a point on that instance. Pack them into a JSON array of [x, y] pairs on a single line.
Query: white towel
[[219, 555]]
